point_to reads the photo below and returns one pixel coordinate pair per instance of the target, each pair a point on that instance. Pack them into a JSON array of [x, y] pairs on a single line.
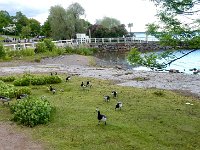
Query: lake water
[[190, 61]]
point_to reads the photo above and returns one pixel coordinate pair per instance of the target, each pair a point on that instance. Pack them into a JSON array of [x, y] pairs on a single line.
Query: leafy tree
[[108, 22], [26, 31], [5, 19], [20, 20], [59, 22], [46, 29], [35, 26], [173, 30]]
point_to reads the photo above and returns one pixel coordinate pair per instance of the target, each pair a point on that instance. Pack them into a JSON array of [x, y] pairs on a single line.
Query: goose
[[118, 105], [88, 84], [21, 96], [5, 99], [107, 98], [114, 93], [52, 89], [68, 78], [83, 85], [101, 117]]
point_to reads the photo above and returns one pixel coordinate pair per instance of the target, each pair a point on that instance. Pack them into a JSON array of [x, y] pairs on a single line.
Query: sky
[[138, 12]]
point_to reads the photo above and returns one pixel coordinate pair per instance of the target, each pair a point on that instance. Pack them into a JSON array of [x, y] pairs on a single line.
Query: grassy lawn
[[148, 120]]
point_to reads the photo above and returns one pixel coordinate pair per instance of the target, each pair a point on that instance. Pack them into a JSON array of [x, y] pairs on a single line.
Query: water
[[143, 36], [184, 64]]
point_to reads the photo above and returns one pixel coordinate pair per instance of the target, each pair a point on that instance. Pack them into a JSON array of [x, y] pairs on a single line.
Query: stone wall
[[150, 46]]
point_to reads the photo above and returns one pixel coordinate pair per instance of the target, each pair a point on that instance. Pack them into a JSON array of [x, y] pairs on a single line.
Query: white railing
[[73, 42]]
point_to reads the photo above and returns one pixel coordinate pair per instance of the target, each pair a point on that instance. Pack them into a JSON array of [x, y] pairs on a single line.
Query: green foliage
[[40, 47], [2, 51], [49, 44], [7, 78], [31, 111], [28, 79], [53, 79], [146, 121], [146, 59], [27, 52], [11, 91]]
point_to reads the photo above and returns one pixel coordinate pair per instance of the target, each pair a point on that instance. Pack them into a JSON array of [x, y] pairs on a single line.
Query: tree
[[35, 26], [65, 24], [20, 20], [59, 22], [173, 30], [26, 31], [5, 19], [108, 22], [46, 29]]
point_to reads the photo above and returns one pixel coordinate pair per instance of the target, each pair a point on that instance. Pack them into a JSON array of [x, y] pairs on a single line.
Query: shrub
[[2, 51], [27, 52], [25, 81], [40, 48], [159, 93], [49, 44], [7, 78], [29, 79], [31, 111], [36, 80], [53, 79], [11, 91]]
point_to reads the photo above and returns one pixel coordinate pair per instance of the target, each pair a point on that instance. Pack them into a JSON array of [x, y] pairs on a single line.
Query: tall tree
[[108, 22], [35, 26], [59, 22], [5, 19], [178, 27], [46, 28]]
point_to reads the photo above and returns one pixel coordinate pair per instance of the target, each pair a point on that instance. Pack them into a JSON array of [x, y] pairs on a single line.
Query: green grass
[[147, 120]]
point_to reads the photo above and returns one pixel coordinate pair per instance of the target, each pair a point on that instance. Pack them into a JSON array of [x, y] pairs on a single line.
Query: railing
[[74, 42]]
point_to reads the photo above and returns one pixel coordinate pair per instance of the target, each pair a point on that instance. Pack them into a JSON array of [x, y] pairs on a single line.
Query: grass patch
[[146, 121]]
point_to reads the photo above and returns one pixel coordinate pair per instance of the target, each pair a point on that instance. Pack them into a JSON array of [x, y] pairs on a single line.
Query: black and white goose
[[52, 89], [118, 105], [68, 78], [83, 85], [114, 93], [107, 98], [88, 84], [21, 96], [5, 99], [101, 117]]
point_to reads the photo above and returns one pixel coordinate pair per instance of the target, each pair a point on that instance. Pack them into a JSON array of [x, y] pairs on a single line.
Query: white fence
[[75, 42]]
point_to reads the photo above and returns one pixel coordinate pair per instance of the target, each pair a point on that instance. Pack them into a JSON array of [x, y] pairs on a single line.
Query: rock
[[174, 71], [118, 67]]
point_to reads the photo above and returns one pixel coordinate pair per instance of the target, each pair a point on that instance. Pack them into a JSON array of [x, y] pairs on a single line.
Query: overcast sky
[[138, 12]]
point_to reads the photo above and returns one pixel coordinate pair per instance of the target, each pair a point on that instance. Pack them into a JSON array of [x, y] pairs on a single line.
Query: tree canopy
[[178, 27]]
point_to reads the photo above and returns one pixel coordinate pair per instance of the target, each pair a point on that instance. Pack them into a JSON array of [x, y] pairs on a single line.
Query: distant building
[[82, 38]]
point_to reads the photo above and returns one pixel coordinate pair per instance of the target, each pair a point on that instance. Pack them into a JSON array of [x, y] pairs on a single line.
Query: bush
[[10, 91], [29, 79], [40, 48], [2, 51], [53, 79], [38, 80], [24, 81], [7, 78], [49, 44], [31, 111], [27, 52]]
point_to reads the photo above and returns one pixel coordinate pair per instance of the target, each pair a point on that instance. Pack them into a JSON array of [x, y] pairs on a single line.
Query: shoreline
[[186, 84]]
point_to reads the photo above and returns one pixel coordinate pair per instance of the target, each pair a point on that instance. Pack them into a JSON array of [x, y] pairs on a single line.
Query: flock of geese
[[100, 117]]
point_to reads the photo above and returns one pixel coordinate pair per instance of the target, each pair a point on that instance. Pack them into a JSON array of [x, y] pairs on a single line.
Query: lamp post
[[130, 25]]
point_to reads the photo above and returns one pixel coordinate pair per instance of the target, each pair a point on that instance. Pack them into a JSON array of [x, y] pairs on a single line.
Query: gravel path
[[79, 65]]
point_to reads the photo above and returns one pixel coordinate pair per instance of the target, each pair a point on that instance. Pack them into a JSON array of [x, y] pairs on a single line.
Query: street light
[[130, 25]]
